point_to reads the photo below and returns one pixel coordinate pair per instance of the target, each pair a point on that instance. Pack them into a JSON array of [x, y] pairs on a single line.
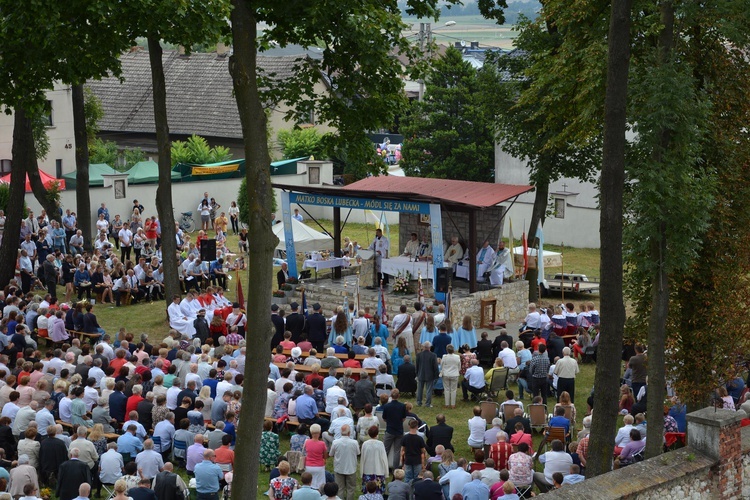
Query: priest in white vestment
[[178, 320]]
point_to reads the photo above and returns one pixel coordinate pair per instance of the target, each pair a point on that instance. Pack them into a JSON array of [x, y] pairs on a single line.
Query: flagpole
[[358, 303], [562, 271]]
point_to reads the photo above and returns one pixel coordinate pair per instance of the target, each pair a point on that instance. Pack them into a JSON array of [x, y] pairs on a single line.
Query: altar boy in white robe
[[502, 267], [177, 319]]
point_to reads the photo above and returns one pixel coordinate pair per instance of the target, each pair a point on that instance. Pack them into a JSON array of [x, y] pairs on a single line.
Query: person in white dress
[[380, 245], [454, 253], [177, 319], [402, 328], [502, 267], [410, 250], [485, 258]]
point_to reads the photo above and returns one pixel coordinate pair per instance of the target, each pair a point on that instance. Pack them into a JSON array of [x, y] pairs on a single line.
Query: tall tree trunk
[[38, 188], [23, 153], [164, 191], [538, 214], [607, 377], [657, 326], [83, 197], [242, 66]]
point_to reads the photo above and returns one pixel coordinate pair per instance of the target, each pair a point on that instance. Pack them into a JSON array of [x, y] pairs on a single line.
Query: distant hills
[[528, 8]]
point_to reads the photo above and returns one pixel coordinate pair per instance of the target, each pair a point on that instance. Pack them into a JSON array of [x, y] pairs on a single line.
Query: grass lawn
[[151, 319]]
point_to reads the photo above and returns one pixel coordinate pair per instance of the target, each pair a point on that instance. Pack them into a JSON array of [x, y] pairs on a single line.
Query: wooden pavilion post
[[472, 251], [337, 239]]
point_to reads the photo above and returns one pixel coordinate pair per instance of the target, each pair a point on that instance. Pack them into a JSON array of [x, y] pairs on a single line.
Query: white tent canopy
[[306, 239], [551, 259]]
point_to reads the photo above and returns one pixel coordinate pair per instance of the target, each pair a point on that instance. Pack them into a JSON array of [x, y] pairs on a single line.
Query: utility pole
[[425, 41]]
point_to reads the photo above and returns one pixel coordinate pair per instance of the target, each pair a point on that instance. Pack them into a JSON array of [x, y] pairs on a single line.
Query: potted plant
[[288, 289], [278, 297]]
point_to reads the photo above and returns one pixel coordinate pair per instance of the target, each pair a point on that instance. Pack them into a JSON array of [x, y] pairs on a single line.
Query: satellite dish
[[450, 23], [463, 43]]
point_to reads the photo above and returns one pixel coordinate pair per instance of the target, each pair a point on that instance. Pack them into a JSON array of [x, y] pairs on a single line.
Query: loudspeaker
[[208, 250], [443, 275]]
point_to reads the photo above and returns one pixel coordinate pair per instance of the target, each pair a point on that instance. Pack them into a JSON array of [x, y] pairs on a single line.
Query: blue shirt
[[329, 382], [128, 443], [475, 490], [306, 493], [524, 357], [230, 429], [573, 479], [207, 477], [215, 266], [211, 382], [559, 421], [307, 408]]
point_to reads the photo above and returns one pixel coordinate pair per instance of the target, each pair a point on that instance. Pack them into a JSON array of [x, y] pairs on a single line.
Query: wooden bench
[[339, 371], [321, 355], [83, 335]]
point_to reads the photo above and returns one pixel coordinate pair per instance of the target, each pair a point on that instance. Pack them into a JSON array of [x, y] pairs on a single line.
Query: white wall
[[579, 228], [186, 196], [61, 138]]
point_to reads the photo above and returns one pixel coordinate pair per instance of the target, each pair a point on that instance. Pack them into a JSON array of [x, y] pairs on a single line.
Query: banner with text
[[327, 200]]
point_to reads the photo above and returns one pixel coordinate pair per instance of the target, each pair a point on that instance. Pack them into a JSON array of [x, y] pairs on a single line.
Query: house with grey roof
[[200, 99]]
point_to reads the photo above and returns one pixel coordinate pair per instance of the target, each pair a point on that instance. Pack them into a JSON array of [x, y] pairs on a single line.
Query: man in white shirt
[[473, 380], [140, 431], [332, 397], [110, 465], [372, 361], [456, 478], [533, 320], [344, 451], [555, 460], [45, 418], [340, 419], [360, 326], [381, 351], [126, 242], [107, 348], [172, 394], [508, 356]]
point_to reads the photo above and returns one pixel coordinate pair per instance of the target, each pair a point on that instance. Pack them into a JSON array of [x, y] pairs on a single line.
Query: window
[[5, 166], [560, 208], [313, 175], [48, 115]]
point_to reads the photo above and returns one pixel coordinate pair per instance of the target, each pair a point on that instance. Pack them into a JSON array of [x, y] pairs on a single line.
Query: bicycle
[[187, 223]]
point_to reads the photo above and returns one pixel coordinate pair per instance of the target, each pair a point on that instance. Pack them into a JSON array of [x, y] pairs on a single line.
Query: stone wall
[[714, 465], [512, 301], [489, 226]]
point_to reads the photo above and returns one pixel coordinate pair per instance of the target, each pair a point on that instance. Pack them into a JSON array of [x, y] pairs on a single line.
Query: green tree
[[367, 84], [449, 134], [526, 130], [197, 150], [101, 151], [94, 112], [299, 142], [77, 27]]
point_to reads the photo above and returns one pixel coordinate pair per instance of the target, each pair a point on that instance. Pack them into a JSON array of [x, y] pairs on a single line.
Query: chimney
[[221, 49], [474, 45]]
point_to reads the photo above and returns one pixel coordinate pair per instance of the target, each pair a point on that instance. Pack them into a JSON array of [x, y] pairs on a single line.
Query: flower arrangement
[[45, 493], [287, 287], [278, 294], [401, 283], [291, 280], [431, 309]]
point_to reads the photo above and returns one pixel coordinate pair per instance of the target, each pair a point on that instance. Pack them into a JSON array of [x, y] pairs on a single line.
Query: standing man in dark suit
[[316, 328], [72, 474], [283, 274], [295, 322], [427, 489], [427, 374], [441, 433], [278, 324]]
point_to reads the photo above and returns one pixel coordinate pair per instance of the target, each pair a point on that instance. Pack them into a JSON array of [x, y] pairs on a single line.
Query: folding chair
[[499, 381], [552, 434], [490, 411], [179, 446], [109, 491], [538, 416], [524, 490], [509, 410]]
